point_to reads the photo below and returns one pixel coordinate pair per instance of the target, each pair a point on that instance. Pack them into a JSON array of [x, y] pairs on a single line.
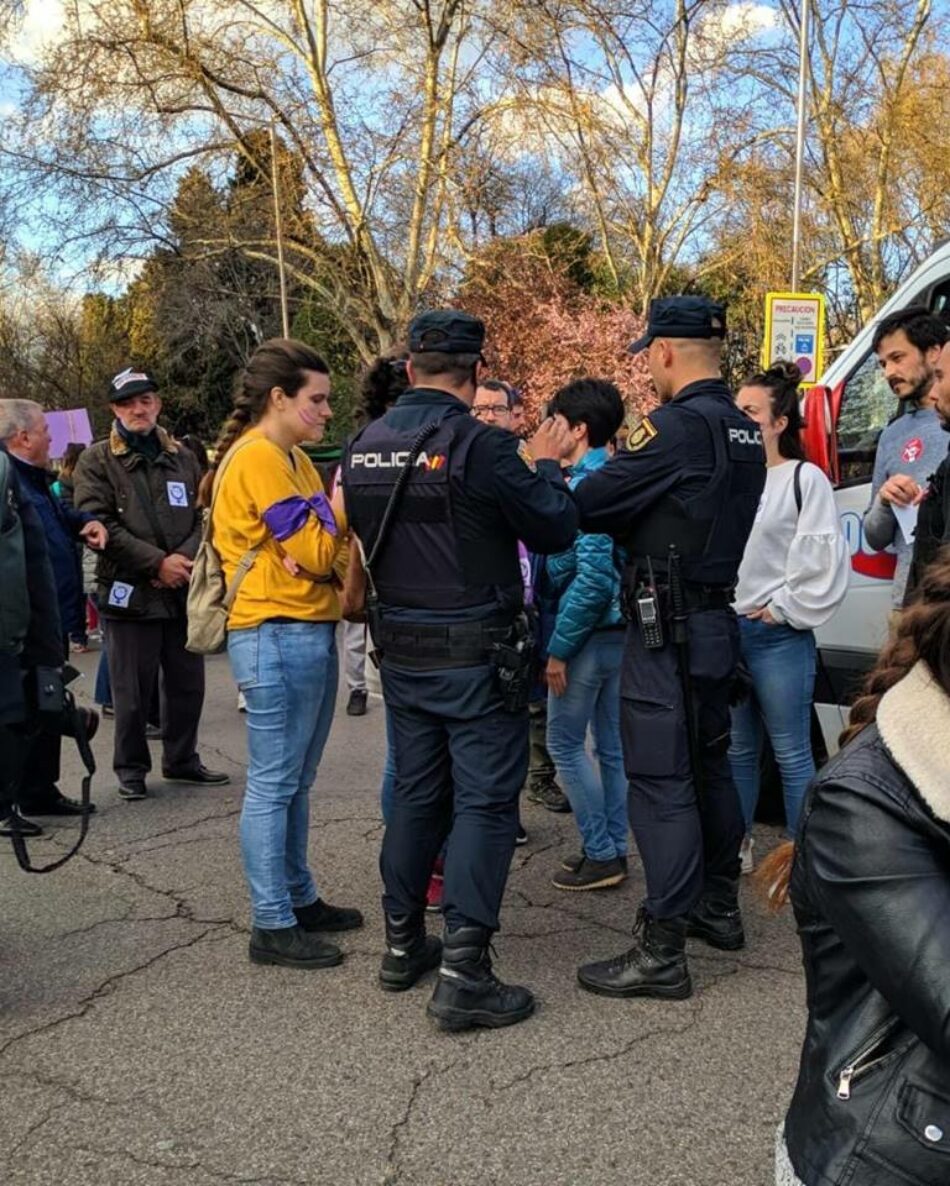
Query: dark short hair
[[511, 394], [457, 367], [594, 402], [923, 328]]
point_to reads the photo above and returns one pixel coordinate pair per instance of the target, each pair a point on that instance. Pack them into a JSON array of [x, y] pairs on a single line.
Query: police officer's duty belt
[[425, 647]]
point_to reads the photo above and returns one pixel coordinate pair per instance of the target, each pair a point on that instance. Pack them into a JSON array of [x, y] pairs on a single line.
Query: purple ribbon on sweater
[[290, 515]]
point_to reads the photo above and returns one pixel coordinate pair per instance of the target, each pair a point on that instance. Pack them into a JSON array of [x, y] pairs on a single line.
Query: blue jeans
[[288, 674], [782, 663], [592, 697]]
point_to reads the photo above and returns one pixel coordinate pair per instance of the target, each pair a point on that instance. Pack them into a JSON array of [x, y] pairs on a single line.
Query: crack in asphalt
[[122, 918], [608, 1056], [536, 852], [202, 819], [101, 990], [29, 1134], [392, 1171], [193, 1164]]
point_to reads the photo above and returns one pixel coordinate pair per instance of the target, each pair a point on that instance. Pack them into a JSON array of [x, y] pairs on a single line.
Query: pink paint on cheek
[[309, 418]]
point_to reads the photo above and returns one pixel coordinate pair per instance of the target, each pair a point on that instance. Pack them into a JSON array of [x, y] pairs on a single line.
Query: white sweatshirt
[[797, 564]]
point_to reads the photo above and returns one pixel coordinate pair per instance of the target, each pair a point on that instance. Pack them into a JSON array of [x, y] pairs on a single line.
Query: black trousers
[[686, 842], [42, 764], [461, 761], [137, 651]]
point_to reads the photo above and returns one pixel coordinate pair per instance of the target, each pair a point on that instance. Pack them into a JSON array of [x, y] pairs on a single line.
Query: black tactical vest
[[710, 528], [425, 562]]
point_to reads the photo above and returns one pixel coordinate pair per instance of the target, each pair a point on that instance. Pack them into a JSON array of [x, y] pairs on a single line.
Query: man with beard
[[907, 344], [933, 520]]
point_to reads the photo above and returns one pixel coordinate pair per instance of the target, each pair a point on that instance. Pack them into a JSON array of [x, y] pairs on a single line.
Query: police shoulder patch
[[525, 454], [645, 431], [744, 441]]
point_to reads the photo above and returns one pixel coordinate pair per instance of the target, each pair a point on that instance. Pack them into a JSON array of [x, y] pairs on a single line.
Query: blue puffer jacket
[[584, 578]]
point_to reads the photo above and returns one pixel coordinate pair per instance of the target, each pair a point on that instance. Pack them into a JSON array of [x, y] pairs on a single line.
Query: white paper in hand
[[906, 520]]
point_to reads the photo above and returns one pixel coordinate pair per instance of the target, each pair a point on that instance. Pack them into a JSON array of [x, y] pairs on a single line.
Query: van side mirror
[[818, 436]]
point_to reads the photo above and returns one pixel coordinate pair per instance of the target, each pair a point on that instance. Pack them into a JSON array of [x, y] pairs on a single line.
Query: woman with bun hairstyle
[[268, 506], [870, 886], [793, 576]]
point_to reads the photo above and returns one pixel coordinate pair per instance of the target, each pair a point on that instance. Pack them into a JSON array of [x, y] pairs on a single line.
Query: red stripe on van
[[879, 565]]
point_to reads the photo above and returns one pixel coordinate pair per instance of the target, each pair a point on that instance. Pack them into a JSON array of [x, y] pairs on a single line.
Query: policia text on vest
[[449, 589]]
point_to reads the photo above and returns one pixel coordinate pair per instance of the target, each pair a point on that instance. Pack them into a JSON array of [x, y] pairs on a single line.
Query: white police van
[[845, 414]]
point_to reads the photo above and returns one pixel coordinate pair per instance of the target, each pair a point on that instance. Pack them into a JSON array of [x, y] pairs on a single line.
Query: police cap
[[682, 317], [448, 331], [129, 383]]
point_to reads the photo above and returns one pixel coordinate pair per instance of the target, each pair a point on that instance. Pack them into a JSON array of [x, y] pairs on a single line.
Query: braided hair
[[922, 632], [278, 362], [782, 380]]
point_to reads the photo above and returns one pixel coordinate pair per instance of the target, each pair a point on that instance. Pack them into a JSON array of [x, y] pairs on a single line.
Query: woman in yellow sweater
[[281, 637]]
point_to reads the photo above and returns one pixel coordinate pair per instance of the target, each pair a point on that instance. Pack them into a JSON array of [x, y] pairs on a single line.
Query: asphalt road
[[139, 1045]]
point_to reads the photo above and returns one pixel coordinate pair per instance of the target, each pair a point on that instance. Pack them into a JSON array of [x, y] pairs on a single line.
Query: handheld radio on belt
[[647, 605]]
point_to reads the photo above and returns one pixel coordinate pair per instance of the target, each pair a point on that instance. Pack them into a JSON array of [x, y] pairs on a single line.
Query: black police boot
[[468, 992], [654, 967], [716, 918], [410, 952]]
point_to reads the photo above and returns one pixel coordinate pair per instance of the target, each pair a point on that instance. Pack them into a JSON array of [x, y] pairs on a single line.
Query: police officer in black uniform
[[453, 647], [681, 502]]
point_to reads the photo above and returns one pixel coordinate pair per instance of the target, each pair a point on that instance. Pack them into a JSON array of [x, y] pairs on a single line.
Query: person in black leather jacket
[[870, 888]]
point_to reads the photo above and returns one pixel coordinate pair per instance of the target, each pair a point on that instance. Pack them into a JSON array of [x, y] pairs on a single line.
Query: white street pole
[[800, 146], [284, 316]]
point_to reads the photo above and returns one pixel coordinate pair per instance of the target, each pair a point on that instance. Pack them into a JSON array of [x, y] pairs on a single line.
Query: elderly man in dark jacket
[[24, 432], [31, 637], [144, 487]]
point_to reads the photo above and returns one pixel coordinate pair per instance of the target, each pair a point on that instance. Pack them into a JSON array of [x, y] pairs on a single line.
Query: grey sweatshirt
[[914, 445]]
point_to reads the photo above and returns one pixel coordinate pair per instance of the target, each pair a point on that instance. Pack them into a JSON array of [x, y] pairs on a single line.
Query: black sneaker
[[321, 916], [12, 823], [153, 733], [522, 838], [292, 947], [549, 796], [572, 864], [590, 875], [199, 776], [356, 705], [132, 790]]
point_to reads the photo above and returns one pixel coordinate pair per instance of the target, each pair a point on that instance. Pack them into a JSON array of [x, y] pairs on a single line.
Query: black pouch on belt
[[514, 665]]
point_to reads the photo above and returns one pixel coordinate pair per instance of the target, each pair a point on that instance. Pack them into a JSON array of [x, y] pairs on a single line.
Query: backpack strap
[[246, 563], [797, 483]]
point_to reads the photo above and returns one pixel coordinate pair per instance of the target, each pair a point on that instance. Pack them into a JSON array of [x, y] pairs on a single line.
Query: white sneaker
[[242, 702], [745, 854]]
